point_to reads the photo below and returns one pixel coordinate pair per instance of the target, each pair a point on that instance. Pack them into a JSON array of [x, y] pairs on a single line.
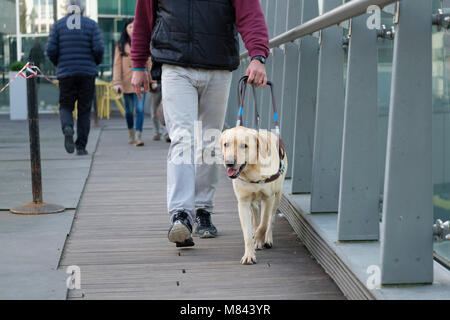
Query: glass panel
[[385, 55], [441, 120], [111, 29], [108, 7], [36, 17], [108, 31], [7, 47], [127, 7], [441, 134]]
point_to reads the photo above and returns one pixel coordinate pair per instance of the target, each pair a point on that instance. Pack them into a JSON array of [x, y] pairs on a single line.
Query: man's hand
[[256, 73], [139, 80]]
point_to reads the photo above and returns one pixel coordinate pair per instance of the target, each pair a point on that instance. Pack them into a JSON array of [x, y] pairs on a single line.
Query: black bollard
[[35, 150], [37, 206]]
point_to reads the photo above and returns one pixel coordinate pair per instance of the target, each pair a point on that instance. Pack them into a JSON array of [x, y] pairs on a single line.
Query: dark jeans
[[81, 89], [132, 102]]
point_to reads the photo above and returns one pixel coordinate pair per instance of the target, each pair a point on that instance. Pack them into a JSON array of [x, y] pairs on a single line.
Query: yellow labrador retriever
[[257, 166]]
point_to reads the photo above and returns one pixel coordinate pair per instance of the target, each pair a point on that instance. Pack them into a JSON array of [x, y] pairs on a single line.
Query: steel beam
[[264, 95], [294, 14], [281, 14], [359, 191], [277, 80], [305, 114], [329, 119], [270, 20], [289, 99], [407, 234]]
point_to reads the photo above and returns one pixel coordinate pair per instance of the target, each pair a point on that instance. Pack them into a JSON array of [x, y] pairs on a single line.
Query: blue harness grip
[[275, 116]]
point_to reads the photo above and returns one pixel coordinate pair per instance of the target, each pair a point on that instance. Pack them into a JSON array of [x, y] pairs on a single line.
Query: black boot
[[68, 139]]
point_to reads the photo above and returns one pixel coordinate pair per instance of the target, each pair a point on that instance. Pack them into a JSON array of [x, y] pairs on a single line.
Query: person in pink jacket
[[122, 72]]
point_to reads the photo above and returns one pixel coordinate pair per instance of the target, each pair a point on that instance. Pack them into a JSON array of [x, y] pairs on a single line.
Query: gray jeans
[[191, 95]]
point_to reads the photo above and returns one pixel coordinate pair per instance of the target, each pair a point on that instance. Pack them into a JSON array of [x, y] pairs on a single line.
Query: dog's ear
[[267, 148], [263, 144], [222, 138]]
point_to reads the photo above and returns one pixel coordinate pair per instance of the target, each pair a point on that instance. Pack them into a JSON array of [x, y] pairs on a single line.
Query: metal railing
[[335, 16], [330, 127]]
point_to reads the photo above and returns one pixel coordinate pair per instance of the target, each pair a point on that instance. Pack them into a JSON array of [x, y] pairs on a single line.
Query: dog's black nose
[[230, 163]]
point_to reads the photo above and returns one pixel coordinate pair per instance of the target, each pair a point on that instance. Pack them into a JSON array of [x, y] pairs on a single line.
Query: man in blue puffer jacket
[[75, 46]]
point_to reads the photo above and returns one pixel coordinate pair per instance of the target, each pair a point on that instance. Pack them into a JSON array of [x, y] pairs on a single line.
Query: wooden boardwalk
[[119, 239]]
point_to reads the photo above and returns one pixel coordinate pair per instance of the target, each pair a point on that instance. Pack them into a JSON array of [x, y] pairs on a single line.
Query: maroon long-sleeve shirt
[[250, 23]]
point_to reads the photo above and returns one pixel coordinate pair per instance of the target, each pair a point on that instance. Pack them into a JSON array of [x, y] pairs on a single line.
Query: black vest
[[196, 33]]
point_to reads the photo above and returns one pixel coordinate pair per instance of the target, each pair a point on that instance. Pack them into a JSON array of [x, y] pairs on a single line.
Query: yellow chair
[[106, 94], [101, 94]]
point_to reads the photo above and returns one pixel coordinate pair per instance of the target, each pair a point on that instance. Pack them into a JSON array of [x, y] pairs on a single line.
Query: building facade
[[28, 23]]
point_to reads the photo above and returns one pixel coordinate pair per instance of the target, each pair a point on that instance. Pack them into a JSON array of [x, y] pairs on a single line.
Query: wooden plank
[[119, 240]]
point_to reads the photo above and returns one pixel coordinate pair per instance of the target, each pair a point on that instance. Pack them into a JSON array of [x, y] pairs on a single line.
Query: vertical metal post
[[266, 110], [407, 237], [289, 98], [264, 6], [305, 114], [231, 116], [329, 119], [294, 13], [248, 102], [241, 44], [277, 80], [270, 17], [359, 192], [18, 32], [262, 94], [281, 16], [35, 150], [37, 206]]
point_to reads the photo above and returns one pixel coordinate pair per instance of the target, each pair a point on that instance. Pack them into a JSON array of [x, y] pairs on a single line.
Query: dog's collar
[[271, 178], [281, 169]]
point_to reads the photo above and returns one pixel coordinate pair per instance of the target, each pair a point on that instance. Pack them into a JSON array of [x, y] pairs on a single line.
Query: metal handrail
[[346, 11]]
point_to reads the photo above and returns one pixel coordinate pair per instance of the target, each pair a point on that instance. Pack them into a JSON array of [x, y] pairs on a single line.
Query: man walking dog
[[196, 44]]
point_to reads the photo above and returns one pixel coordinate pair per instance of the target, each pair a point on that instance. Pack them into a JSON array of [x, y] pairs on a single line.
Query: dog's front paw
[[268, 241], [268, 245], [259, 243], [259, 239], [248, 258]]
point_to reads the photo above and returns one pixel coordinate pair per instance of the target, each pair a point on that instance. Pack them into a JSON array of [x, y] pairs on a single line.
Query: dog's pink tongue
[[231, 172]]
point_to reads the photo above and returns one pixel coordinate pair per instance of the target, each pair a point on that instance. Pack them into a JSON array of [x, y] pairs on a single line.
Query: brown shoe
[[156, 138], [137, 139], [131, 136]]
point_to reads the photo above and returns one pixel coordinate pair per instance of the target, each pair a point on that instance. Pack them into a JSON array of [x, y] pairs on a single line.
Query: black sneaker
[[187, 243], [82, 152], [203, 227], [68, 139], [181, 229]]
